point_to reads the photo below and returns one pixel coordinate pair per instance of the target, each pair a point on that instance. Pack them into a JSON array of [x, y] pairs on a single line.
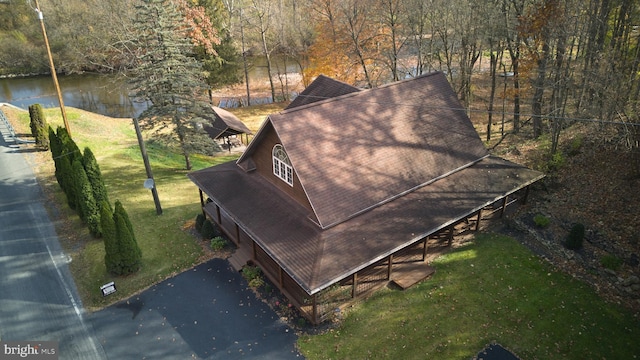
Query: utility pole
[[53, 68], [149, 183]]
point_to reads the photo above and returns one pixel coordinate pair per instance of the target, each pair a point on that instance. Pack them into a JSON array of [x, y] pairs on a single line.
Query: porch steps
[[240, 258], [408, 274]]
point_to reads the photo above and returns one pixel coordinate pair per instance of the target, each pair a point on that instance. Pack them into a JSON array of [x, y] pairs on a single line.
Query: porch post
[[389, 266], [478, 219], [526, 195], [504, 205], [254, 252], [202, 203], [424, 250], [218, 214], [314, 309], [450, 236], [355, 283], [238, 233]]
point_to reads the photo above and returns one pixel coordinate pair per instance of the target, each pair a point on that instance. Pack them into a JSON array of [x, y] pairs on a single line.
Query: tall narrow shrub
[[131, 255], [95, 176], [67, 182], [207, 231], [199, 222], [69, 147], [34, 112], [55, 145], [69, 151], [87, 206], [39, 127], [112, 258], [575, 238]]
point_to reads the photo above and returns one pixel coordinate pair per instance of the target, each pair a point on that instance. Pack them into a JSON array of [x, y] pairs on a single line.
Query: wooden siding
[[228, 226], [262, 157]]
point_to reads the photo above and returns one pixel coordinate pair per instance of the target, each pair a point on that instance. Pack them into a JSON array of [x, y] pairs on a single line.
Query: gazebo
[[226, 127]]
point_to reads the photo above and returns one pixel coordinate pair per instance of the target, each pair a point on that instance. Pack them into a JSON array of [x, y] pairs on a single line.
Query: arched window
[[281, 165]]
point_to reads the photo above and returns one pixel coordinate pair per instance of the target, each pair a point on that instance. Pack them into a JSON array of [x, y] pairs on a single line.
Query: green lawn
[[492, 290], [168, 247]]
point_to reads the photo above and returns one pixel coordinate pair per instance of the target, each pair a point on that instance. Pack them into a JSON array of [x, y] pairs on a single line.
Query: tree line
[[547, 60]]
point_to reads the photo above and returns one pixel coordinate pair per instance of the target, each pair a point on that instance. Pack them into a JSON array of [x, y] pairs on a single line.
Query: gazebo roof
[[224, 124]]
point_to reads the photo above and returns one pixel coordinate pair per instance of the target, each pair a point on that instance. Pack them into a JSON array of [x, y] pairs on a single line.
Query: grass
[[492, 290], [167, 246], [254, 116]]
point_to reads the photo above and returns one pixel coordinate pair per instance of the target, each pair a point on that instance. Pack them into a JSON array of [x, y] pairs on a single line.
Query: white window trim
[[282, 168]]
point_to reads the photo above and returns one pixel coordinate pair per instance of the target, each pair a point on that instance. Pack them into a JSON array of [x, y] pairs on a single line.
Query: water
[[106, 94], [102, 94]]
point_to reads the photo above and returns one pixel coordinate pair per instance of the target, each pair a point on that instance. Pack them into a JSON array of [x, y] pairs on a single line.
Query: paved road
[[38, 298], [204, 313]]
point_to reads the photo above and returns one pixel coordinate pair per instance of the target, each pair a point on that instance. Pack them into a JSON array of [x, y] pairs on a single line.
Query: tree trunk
[[515, 57], [267, 57], [244, 58], [493, 65]]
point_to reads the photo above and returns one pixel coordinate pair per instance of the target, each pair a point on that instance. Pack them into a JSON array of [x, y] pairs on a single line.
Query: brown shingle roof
[[357, 151], [224, 124], [321, 88], [316, 258], [382, 168]]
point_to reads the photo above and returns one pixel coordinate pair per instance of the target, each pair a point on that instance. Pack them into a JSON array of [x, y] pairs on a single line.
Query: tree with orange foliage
[[348, 41], [327, 54], [198, 25]]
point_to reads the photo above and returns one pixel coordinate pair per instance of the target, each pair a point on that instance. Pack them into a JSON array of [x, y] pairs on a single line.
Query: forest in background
[[553, 62]]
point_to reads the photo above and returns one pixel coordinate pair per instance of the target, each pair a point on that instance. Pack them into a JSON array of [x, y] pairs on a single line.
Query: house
[[224, 126], [331, 196]]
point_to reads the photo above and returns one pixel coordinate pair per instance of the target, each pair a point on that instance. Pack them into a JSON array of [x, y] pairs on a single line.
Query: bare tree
[[419, 31], [392, 13], [260, 19], [354, 20]]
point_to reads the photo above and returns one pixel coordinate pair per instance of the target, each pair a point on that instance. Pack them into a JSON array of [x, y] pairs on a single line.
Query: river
[[103, 94]]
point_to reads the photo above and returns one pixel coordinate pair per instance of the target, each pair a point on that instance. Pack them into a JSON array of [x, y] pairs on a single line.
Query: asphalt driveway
[[207, 312]]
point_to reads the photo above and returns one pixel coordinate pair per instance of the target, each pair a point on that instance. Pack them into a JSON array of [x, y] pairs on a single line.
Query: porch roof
[[316, 258]]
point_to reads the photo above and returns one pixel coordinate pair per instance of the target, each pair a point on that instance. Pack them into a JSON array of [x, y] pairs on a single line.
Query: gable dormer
[[267, 156]]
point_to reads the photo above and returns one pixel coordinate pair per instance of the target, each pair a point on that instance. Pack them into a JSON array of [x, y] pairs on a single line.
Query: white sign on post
[[108, 289]]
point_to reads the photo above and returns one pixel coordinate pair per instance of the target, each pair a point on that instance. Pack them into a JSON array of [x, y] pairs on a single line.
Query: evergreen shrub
[[199, 222], [95, 176], [575, 238], [39, 127], [208, 230], [112, 258], [130, 253]]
